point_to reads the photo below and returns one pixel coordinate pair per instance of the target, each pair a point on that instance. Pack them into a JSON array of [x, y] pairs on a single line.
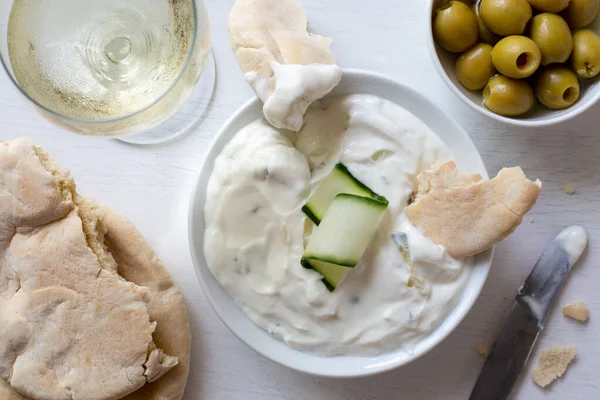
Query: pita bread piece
[[287, 67], [442, 177], [470, 218], [552, 364], [138, 264], [70, 326], [579, 311]]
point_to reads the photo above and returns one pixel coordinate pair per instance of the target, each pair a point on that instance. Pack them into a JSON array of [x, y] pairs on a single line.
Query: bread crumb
[[578, 311], [482, 350], [569, 189], [552, 364]]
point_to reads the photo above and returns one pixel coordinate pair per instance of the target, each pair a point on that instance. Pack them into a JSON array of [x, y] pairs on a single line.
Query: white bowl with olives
[[523, 62]]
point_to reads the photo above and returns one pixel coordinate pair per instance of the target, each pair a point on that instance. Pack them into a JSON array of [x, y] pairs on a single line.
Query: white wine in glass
[[111, 67]]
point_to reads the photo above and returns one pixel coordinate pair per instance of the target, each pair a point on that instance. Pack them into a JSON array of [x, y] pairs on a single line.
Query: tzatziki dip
[[403, 286]]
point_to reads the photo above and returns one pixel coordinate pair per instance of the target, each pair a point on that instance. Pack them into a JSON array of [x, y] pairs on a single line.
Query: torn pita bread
[[482, 350], [442, 177], [287, 67], [552, 364], [139, 264], [8, 393], [466, 217], [578, 311], [70, 326]]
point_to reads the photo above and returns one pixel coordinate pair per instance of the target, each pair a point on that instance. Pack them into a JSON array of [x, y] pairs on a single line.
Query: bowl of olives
[[523, 62]]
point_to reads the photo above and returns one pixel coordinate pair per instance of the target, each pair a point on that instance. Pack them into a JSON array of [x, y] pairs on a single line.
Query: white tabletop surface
[[152, 186]]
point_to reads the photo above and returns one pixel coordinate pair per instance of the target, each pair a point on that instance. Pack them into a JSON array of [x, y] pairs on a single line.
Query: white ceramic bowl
[[234, 318], [538, 117]]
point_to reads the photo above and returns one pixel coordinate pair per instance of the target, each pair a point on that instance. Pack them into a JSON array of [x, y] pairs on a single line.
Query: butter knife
[[523, 323]]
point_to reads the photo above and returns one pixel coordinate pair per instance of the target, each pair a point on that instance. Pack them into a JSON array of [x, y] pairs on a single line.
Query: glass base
[[187, 118]]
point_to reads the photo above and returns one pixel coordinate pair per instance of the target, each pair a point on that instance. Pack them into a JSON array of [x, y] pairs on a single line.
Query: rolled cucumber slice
[[343, 236], [340, 180], [332, 274]]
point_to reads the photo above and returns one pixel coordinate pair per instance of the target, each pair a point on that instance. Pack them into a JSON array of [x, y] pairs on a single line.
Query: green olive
[[474, 67], [455, 27], [508, 97], [585, 59], [553, 36], [552, 6], [505, 17], [581, 13], [557, 87], [516, 56], [485, 35]]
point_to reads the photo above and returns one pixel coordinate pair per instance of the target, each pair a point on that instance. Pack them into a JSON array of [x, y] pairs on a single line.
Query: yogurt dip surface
[[256, 231]]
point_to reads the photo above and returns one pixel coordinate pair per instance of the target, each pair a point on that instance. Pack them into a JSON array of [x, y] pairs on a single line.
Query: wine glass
[[140, 70]]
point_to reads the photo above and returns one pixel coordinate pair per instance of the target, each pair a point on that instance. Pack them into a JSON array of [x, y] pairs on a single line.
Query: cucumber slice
[[402, 242], [413, 281], [340, 180], [332, 274], [343, 236]]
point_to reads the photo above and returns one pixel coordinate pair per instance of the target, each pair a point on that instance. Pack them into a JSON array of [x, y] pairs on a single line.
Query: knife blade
[[522, 324]]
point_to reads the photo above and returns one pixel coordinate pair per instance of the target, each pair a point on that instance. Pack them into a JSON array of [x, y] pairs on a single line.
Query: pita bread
[[579, 311], [139, 264], [468, 218], [442, 177], [59, 290], [552, 364], [482, 350], [8, 393], [271, 44]]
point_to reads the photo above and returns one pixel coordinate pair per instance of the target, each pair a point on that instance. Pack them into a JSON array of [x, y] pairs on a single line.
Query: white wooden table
[[152, 186]]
